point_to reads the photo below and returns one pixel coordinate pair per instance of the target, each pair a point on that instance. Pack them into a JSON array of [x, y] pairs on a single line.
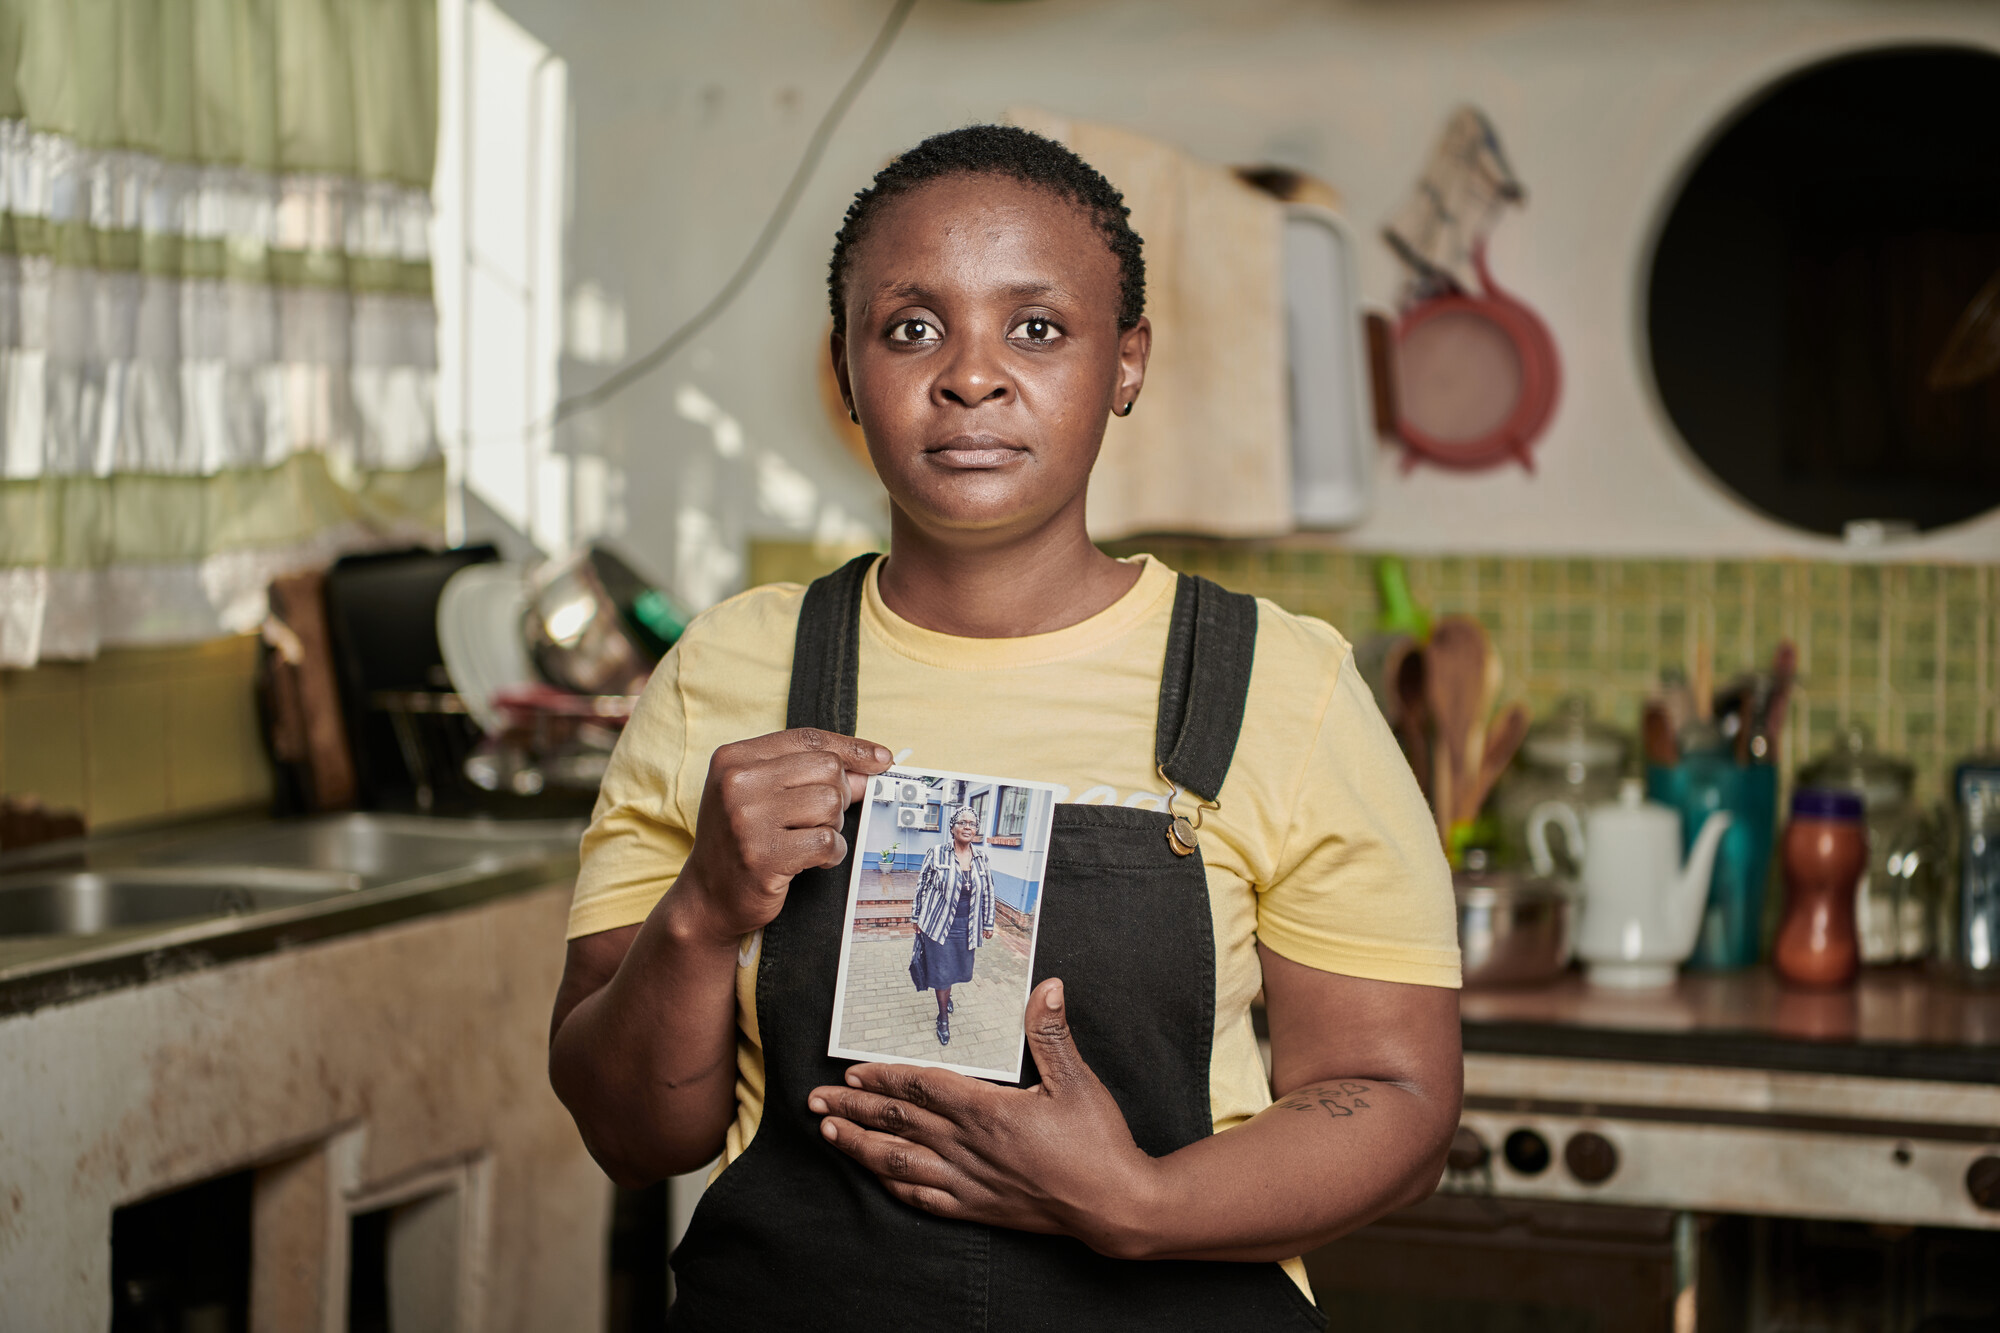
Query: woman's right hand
[[772, 806]]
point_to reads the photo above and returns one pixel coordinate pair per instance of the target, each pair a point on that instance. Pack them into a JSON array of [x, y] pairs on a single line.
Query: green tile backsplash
[[1913, 651]]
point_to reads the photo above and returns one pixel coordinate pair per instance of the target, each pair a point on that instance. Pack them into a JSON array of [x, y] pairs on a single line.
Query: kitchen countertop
[[1895, 1022], [400, 867]]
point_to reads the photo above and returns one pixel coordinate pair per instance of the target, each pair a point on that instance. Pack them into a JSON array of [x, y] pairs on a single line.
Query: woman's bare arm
[[642, 1043], [1368, 1077]]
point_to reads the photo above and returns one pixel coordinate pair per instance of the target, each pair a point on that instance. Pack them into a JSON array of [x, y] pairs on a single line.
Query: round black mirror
[[1814, 305]]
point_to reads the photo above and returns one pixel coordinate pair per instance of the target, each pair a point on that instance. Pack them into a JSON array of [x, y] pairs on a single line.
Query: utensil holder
[[1732, 924]]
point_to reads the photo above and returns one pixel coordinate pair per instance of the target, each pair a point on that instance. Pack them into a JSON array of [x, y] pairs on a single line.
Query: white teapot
[[1642, 907]]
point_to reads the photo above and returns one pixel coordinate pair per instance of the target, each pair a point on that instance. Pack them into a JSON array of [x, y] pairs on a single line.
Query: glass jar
[[1969, 944], [1565, 757], [1896, 902]]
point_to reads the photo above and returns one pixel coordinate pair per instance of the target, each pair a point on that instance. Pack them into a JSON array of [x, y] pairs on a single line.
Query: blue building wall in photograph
[[1019, 894]]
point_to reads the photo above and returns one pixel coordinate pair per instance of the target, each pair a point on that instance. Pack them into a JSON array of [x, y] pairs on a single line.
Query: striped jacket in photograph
[[933, 906]]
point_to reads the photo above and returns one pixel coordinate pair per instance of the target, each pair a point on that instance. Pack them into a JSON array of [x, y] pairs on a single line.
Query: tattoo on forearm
[[1338, 1100]]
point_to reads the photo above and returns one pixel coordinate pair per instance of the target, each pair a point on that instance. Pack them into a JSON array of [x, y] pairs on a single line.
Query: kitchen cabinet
[[372, 1069]]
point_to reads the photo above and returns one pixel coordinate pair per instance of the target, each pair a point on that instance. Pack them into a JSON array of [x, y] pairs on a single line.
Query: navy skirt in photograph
[[950, 964]]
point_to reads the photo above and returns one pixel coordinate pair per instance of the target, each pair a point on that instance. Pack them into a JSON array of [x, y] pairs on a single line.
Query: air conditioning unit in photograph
[[909, 816], [912, 793], [881, 789]]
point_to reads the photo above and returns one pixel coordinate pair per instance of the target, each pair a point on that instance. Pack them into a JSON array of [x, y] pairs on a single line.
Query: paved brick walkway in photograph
[[885, 1016]]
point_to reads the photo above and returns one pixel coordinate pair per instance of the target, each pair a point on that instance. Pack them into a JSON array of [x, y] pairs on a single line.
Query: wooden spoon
[[1503, 738], [1455, 668], [1405, 673], [1475, 741]]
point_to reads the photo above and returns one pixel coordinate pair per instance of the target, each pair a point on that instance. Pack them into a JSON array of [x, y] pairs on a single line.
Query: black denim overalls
[[796, 1235]]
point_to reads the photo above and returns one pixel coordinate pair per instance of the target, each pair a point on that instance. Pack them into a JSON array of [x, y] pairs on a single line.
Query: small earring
[[1126, 410], [854, 416]]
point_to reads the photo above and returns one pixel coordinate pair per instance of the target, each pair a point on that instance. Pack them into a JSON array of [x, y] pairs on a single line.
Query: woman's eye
[[1036, 331], [913, 331]]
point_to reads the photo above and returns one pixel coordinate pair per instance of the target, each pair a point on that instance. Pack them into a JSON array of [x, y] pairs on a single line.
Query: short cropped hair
[[997, 150]]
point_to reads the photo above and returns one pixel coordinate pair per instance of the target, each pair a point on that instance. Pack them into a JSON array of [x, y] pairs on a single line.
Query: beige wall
[[689, 117], [138, 734]]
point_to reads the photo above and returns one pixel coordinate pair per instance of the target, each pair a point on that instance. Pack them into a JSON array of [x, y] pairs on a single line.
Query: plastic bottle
[[1825, 850]]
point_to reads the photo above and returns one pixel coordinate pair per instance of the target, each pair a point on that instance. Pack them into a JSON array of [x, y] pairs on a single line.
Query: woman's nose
[[972, 375]]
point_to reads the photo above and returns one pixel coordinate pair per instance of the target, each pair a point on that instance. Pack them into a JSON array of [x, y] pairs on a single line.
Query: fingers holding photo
[[771, 807], [857, 760], [911, 1172], [885, 1114], [745, 772], [813, 769], [939, 1092], [855, 755], [1034, 1159]]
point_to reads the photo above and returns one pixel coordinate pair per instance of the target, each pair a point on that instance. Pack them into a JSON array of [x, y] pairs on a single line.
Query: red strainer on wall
[[1477, 376], [1475, 372]]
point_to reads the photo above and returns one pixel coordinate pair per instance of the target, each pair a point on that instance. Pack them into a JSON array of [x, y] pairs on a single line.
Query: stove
[[1729, 1140], [1726, 1155]]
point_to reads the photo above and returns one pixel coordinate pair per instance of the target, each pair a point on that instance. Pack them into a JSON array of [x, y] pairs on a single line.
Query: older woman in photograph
[[954, 889]]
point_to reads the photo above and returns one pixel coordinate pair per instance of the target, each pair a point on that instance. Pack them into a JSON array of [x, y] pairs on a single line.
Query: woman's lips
[[973, 453]]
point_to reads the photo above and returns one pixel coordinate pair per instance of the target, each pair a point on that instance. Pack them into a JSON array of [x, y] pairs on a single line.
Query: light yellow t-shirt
[[1323, 847]]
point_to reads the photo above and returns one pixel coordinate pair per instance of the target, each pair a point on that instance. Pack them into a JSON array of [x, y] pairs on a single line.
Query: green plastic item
[[1400, 612], [652, 609]]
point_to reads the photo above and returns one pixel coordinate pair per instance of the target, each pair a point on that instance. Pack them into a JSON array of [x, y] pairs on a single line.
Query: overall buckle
[[1181, 834]]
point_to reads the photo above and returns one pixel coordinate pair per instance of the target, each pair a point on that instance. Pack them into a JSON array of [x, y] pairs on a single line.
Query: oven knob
[[1527, 1152], [1468, 1152], [1982, 1182], [1590, 1157]]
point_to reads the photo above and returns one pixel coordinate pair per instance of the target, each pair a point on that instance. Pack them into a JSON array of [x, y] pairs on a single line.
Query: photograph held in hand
[[938, 948]]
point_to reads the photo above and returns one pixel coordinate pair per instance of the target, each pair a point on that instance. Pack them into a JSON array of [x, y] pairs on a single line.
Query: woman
[[988, 299], [953, 888]]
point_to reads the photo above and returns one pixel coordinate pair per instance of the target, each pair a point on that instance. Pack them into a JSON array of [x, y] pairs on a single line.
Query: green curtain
[[217, 342]]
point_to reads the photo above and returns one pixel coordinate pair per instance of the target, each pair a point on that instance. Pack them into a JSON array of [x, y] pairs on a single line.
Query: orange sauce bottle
[[1824, 851]]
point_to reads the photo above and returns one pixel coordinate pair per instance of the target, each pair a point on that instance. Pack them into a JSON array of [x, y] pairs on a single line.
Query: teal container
[[1732, 923]]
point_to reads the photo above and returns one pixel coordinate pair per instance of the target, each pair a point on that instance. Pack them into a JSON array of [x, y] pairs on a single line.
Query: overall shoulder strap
[[1204, 684], [826, 654]]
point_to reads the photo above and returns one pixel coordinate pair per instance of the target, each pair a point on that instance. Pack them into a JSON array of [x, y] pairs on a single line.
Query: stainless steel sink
[[379, 849], [243, 869], [88, 902]]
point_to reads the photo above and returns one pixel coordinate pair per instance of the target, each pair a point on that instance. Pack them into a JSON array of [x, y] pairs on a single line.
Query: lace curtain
[[217, 341]]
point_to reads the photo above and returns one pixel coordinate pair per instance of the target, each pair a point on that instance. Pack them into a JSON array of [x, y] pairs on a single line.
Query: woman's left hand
[[1056, 1157], [986, 934]]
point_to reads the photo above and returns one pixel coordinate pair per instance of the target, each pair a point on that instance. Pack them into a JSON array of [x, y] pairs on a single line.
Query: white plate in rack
[[479, 632]]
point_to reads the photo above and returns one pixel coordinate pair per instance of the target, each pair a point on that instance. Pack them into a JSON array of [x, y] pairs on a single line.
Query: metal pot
[[595, 626], [1513, 929]]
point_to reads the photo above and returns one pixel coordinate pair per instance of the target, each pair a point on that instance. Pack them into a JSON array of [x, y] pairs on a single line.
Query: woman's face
[[982, 352], [963, 831]]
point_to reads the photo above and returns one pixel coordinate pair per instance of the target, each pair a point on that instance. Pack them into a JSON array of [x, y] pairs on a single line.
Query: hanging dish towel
[[1208, 449]]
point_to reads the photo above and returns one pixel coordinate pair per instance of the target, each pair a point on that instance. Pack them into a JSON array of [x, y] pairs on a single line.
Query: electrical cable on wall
[[637, 369]]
